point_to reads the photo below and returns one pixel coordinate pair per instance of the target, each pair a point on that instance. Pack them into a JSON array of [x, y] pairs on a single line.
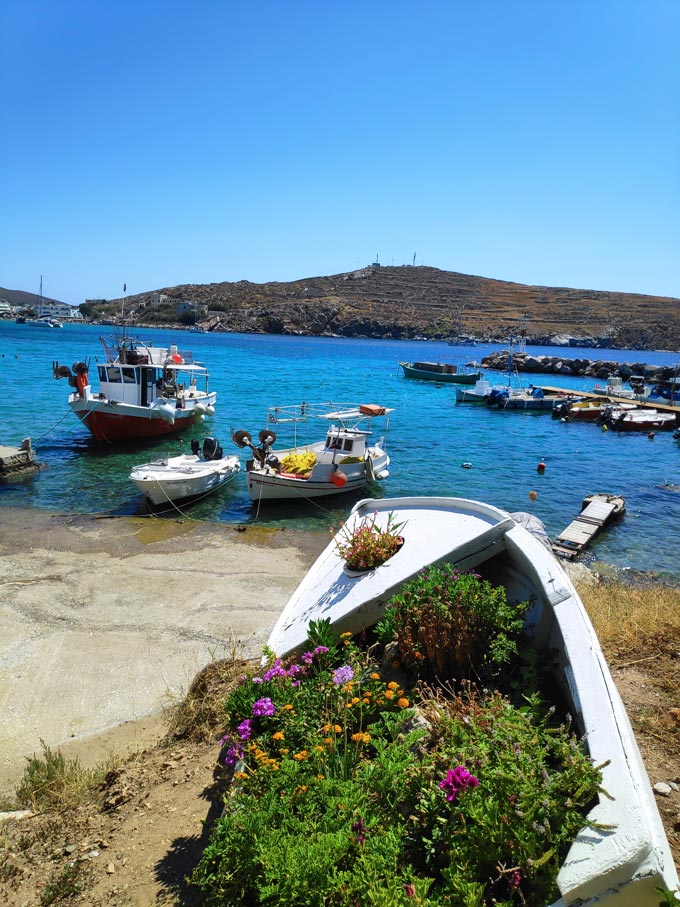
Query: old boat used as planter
[[624, 856], [342, 461], [185, 477], [145, 391], [442, 372]]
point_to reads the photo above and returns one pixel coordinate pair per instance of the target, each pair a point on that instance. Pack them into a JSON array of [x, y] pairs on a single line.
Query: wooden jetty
[[597, 511]]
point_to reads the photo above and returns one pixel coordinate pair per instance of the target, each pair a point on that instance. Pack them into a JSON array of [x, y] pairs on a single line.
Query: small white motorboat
[[186, 476], [645, 419], [342, 461], [622, 856]]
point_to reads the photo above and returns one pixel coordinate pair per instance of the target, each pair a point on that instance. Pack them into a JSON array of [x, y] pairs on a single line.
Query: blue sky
[[155, 144]]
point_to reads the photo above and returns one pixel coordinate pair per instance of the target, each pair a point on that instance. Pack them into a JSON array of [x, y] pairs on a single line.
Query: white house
[[47, 309]]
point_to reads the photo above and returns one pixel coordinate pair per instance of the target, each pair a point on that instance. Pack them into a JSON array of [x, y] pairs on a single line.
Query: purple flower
[[264, 707], [245, 729], [359, 828], [457, 779], [342, 675], [256, 679], [233, 754], [410, 890], [293, 670], [276, 670], [307, 657], [515, 879], [320, 650]]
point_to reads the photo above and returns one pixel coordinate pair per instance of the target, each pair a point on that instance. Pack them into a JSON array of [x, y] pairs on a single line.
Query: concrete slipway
[[105, 620]]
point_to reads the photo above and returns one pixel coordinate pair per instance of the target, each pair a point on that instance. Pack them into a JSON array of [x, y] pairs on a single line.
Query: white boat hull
[[620, 861], [267, 484], [183, 477]]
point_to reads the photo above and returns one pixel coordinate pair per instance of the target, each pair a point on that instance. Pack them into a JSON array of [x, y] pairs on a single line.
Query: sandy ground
[[104, 621]]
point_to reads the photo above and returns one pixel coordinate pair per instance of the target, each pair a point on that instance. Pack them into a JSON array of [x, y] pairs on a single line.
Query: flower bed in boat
[[354, 781]]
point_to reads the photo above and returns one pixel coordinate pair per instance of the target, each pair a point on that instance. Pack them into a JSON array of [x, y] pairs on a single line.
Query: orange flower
[[375, 676], [389, 694], [278, 735], [361, 737], [287, 708], [346, 635], [301, 756], [403, 702], [392, 685]]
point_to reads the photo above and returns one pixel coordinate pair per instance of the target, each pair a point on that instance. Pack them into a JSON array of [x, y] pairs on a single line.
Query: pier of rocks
[[580, 367]]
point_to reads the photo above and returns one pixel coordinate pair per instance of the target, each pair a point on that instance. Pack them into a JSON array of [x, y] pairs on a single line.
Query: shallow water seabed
[[429, 437]]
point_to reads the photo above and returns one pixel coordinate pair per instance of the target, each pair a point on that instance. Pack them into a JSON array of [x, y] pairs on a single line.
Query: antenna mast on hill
[[414, 259], [523, 332]]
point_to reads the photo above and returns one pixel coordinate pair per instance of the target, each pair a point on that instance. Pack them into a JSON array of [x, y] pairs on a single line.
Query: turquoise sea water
[[429, 435]]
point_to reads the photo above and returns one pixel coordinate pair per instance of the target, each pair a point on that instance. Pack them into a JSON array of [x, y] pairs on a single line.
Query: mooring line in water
[[50, 430], [300, 495]]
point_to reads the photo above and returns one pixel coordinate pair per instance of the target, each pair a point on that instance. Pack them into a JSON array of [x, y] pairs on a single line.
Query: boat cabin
[[351, 442]]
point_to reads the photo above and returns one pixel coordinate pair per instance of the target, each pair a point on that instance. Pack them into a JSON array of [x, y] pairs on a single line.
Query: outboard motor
[[212, 449], [195, 447], [273, 461]]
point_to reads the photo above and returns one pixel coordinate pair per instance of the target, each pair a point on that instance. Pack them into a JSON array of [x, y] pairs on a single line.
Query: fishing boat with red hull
[[144, 391]]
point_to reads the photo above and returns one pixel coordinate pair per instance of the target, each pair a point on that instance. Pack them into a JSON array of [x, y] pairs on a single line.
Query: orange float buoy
[[540, 467], [81, 382], [532, 495], [339, 479]]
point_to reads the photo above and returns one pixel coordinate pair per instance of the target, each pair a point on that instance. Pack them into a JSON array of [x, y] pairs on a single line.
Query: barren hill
[[406, 302]]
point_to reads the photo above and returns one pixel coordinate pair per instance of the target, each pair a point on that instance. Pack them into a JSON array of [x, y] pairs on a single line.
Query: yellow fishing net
[[300, 464]]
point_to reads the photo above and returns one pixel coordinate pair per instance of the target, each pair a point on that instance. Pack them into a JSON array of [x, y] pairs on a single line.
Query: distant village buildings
[[42, 309]]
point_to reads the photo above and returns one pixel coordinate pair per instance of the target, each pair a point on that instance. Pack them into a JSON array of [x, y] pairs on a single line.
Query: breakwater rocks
[[587, 368]]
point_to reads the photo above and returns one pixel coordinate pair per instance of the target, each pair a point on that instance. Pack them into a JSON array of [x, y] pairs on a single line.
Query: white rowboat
[[624, 857]]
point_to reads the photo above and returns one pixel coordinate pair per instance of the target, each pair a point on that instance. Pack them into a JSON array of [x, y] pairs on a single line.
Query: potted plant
[[367, 545]]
